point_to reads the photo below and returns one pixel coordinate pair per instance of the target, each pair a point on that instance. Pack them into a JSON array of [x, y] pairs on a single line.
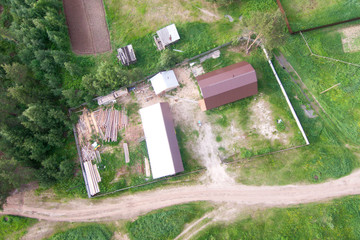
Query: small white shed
[[164, 81]]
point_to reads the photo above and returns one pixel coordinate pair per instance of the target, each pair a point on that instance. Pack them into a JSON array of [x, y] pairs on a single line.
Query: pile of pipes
[[109, 121]]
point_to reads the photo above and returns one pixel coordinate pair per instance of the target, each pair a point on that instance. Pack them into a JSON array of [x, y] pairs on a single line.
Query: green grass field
[[13, 227], [318, 74], [166, 223], [338, 219], [326, 157], [304, 14], [87, 231], [334, 138]]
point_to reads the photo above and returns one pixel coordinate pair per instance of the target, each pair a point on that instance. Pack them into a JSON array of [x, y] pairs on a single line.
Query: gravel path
[[130, 206]]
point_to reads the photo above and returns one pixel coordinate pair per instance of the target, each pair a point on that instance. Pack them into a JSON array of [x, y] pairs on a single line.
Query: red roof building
[[227, 85]]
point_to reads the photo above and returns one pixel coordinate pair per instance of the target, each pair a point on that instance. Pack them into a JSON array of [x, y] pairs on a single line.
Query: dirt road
[[130, 206]]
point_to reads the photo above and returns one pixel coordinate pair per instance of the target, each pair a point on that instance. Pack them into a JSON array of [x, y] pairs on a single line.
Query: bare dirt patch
[[263, 121], [40, 230], [351, 39], [87, 26], [188, 114], [130, 206]]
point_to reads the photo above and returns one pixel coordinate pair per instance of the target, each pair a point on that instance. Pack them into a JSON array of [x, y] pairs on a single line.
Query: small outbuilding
[[164, 81], [227, 85], [126, 55], [166, 36], [161, 142]]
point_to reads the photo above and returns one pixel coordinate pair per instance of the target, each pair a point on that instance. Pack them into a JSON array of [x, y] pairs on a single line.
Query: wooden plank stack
[[93, 177], [147, 167], [126, 152], [109, 121]]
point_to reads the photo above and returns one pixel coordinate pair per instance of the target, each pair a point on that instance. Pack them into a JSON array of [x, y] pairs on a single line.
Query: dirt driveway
[[88, 29], [130, 206]]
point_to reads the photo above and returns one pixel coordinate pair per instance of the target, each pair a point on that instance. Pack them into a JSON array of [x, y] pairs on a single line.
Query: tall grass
[[338, 219], [90, 231], [308, 14], [13, 227], [166, 223]]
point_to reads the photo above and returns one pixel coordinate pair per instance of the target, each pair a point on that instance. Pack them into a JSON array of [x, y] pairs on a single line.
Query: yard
[[334, 135], [304, 14], [250, 127]]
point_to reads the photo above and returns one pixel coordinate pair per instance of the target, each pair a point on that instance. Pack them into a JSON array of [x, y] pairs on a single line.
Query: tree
[[268, 28], [108, 77]]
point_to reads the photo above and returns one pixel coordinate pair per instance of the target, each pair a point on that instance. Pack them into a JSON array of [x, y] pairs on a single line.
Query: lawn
[[304, 14], [13, 227], [338, 219], [166, 223]]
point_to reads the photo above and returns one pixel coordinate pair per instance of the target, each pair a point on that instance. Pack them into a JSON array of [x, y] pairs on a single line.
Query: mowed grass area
[[14, 227], [166, 223], [338, 219], [304, 14]]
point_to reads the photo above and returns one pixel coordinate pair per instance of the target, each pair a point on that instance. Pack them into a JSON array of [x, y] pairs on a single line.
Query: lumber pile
[[147, 167], [108, 122], [89, 154], [110, 98], [121, 92], [93, 177], [126, 152], [92, 173], [106, 99]]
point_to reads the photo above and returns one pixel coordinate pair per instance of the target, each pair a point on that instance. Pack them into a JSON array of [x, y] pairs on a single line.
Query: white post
[[286, 98]]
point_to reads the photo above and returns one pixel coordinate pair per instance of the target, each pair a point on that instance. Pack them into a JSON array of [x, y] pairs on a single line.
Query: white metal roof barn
[[164, 81], [161, 142]]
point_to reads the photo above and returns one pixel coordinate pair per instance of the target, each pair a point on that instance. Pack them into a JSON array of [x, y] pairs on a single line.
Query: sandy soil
[[87, 26], [188, 114], [129, 206], [263, 120], [351, 38], [40, 230]]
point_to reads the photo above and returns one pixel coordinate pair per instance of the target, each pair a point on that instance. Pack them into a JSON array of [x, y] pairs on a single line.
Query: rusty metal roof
[[225, 79]]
